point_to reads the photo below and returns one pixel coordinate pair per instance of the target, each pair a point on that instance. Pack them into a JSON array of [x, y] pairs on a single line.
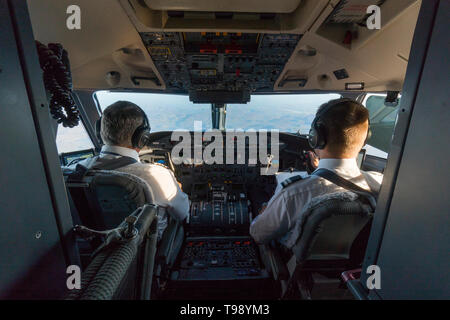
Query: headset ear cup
[[140, 137], [316, 138], [320, 137], [98, 127], [142, 134], [312, 138], [144, 139]]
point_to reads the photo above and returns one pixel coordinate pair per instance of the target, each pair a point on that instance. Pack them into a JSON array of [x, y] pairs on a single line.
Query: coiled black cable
[[89, 274], [54, 62]]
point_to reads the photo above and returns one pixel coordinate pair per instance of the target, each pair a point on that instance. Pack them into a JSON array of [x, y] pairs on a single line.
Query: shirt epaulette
[[290, 181]]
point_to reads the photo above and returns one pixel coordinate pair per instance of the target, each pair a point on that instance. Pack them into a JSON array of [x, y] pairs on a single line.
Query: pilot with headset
[[124, 129], [338, 133]]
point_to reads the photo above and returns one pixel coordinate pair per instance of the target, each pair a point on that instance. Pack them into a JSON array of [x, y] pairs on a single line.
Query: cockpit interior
[[239, 67]]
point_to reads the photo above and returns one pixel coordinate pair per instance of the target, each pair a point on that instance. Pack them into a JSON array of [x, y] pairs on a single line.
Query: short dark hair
[[119, 122], [344, 124]]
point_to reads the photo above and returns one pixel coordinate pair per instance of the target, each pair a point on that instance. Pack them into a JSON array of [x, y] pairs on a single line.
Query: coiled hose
[[89, 274], [103, 276], [104, 285], [54, 61]]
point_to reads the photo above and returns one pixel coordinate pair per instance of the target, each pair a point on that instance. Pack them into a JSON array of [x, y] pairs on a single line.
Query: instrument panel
[[292, 148], [224, 198], [220, 258]]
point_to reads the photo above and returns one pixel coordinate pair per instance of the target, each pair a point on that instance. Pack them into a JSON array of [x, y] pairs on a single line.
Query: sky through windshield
[[287, 113]]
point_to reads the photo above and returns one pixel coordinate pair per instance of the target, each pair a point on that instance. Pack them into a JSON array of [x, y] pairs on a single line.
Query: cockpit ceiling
[[258, 6], [158, 45]]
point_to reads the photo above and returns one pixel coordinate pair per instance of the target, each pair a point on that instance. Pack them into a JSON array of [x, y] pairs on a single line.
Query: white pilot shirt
[[166, 191], [285, 206]]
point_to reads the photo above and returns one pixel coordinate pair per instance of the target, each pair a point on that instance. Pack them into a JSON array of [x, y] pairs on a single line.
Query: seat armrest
[[176, 246], [170, 246], [167, 240], [275, 261]]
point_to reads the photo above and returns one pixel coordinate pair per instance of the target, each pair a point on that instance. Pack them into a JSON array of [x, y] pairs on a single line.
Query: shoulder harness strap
[[348, 185], [97, 163]]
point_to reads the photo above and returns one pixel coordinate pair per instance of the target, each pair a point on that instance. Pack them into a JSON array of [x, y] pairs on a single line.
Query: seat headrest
[[133, 184]]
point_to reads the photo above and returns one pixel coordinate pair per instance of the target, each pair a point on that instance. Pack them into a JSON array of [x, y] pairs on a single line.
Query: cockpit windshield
[[285, 112]]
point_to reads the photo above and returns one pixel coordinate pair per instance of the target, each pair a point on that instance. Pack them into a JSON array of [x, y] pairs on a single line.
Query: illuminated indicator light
[[207, 48], [159, 51], [233, 49], [225, 34], [239, 34], [237, 242], [354, 86], [348, 38], [208, 73], [217, 33], [203, 34]]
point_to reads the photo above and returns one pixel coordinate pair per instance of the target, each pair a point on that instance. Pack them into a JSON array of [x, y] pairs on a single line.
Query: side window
[[391, 117], [73, 139], [375, 104], [382, 123]]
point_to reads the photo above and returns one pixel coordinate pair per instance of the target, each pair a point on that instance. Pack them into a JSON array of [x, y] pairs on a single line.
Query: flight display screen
[[71, 157]]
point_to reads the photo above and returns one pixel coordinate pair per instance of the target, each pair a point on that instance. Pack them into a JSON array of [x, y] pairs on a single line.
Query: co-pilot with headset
[[124, 129], [338, 133]]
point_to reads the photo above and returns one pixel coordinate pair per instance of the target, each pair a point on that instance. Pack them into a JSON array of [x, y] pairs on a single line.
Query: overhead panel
[[219, 61]]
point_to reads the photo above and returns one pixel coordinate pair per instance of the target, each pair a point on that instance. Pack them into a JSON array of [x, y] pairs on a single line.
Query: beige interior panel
[[105, 29], [380, 62], [279, 6], [298, 21]]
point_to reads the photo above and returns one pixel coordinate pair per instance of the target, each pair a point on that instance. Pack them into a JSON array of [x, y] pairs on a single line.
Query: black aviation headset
[[140, 136], [317, 137]]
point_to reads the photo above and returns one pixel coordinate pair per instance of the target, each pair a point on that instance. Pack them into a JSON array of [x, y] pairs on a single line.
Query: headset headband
[[317, 133], [145, 124], [136, 137], [328, 106]]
